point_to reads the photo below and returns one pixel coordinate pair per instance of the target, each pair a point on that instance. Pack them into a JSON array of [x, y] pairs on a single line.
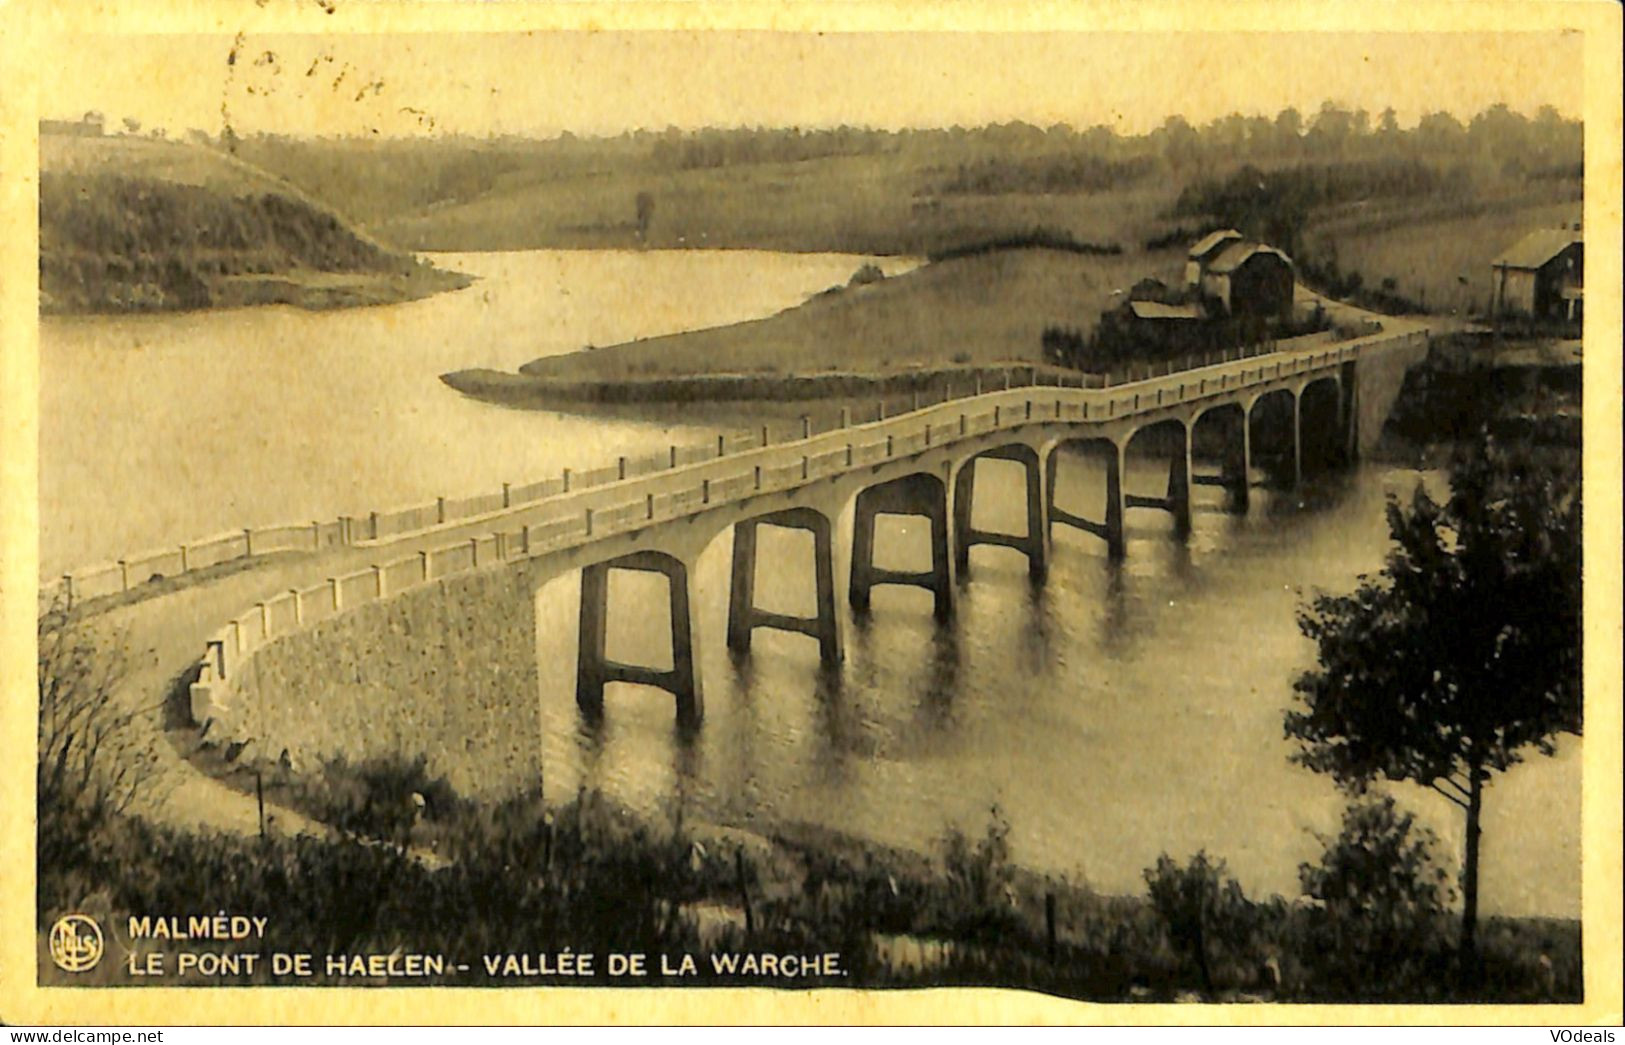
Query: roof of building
[[1237, 253], [1158, 310], [1205, 245], [1537, 248]]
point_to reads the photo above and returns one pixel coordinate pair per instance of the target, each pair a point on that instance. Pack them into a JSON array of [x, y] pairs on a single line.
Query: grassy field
[[130, 224], [987, 309], [1441, 261]]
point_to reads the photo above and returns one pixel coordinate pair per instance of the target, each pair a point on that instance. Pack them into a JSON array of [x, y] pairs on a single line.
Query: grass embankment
[[411, 869], [943, 321], [134, 225]]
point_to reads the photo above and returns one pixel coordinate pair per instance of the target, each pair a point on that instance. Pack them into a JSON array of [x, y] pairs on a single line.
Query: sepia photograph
[[1076, 508]]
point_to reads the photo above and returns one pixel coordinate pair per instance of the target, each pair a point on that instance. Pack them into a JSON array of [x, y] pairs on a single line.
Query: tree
[[1200, 904], [1463, 653]]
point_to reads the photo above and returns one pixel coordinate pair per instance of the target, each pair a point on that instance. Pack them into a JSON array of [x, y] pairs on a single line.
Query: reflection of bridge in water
[[1291, 412]]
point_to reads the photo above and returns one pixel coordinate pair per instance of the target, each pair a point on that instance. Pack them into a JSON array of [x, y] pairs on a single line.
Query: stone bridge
[[1218, 425]]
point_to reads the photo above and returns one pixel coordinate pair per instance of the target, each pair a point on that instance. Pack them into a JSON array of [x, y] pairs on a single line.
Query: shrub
[[1201, 907], [867, 273], [1381, 899], [979, 879]]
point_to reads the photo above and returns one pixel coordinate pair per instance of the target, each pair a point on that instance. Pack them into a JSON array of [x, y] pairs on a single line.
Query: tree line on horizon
[[1546, 140]]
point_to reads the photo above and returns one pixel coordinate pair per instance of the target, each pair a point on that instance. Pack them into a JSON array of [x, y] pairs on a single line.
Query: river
[[1112, 714]]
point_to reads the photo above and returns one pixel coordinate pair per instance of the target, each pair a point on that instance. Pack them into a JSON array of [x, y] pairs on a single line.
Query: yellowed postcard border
[[29, 32]]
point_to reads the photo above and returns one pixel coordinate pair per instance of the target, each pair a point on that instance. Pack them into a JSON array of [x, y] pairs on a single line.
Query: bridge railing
[[112, 578]]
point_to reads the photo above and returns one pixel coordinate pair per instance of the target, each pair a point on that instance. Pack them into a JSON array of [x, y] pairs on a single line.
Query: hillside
[[938, 322], [135, 225]]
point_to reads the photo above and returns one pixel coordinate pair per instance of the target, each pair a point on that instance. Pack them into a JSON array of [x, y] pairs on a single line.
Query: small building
[[1250, 279], [1167, 326], [1205, 250], [1542, 276]]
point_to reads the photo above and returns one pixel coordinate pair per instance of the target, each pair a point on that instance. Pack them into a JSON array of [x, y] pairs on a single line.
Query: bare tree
[[94, 757]]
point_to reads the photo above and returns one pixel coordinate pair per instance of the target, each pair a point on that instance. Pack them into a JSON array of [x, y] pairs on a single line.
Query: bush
[[1202, 909], [866, 274], [979, 879], [1381, 900]]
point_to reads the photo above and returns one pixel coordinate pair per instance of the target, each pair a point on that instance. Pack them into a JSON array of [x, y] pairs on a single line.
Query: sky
[[605, 82]]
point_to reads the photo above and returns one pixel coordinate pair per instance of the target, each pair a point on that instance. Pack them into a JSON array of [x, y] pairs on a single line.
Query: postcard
[[790, 513]]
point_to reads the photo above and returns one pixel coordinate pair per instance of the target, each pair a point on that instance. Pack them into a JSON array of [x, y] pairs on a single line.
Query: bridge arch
[[1171, 437], [921, 493], [1219, 433], [1034, 542], [1108, 526], [743, 614], [595, 670], [1322, 417], [1273, 432]]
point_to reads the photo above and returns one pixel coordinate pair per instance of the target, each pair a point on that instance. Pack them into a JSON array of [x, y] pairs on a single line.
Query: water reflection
[[1114, 712]]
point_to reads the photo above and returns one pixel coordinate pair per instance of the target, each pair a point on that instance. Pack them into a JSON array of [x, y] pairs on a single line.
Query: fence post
[[378, 579], [705, 491], [67, 587], [649, 503], [423, 564], [502, 546], [880, 411], [722, 444], [507, 496], [123, 575], [620, 467], [764, 435], [315, 538], [248, 543], [806, 427], [978, 382], [846, 417], [524, 538], [236, 635], [372, 526], [589, 522], [849, 455], [185, 565], [566, 481], [298, 606], [265, 619], [338, 603], [888, 446], [961, 423], [473, 552], [440, 509], [996, 412], [671, 456], [758, 477], [804, 466]]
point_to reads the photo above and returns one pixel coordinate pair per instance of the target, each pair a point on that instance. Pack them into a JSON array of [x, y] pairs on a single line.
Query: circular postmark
[[76, 943]]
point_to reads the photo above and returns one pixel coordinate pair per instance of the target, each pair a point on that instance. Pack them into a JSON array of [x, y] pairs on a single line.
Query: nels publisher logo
[[76, 943]]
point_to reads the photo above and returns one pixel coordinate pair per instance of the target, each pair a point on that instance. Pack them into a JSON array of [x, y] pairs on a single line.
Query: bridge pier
[[743, 616], [919, 494], [1176, 499], [1111, 530], [1235, 456], [594, 669], [1035, 542]]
